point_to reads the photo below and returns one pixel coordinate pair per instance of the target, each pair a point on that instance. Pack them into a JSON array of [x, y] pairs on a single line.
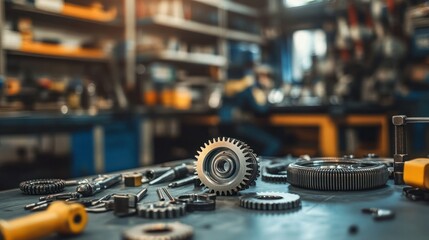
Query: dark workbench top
[[323, 215]]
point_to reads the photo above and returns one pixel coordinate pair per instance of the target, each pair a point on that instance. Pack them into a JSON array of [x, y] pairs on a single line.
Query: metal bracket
[[400, 122]]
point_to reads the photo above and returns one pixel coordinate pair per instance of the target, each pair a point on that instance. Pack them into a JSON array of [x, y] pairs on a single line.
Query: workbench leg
[[328, 138]]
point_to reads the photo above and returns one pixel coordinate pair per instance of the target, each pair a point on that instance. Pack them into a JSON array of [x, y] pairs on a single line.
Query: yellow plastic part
[[58, 218], [94, 12], [416, 173]]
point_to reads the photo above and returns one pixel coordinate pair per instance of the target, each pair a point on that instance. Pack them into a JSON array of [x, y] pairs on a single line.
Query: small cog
[[270, 201]]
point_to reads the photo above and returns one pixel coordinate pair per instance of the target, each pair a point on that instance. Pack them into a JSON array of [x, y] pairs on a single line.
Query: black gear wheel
[[226, 166], [332, 174], [157, 231], [42, 186], [270, 201]]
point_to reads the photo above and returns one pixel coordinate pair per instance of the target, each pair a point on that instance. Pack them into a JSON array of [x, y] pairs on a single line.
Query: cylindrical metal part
[[400, 139], [110, 181], [168, 194], [141, 194], [160, 194], [183, 182], [59, 217], [155, 173]]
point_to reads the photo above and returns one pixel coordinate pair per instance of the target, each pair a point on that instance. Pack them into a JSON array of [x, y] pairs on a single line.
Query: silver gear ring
[[270, 201], [226, 166], [331, 174], [159, 231], [161, 210], [277, 177]]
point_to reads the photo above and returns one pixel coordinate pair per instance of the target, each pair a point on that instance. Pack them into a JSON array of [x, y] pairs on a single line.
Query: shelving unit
[[184, 57], [35, 12]]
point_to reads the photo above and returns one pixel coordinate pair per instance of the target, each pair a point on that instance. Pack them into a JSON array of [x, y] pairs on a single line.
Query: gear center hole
[[268, 197], [223, 166], [158, 231]]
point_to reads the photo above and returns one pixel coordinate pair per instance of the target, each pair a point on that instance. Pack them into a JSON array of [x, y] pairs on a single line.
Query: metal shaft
[[141, 194], [160, 194], [183, 182], [168, 194]]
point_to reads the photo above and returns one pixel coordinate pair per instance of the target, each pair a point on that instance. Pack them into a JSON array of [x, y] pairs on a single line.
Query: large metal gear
[[337, 174], [159, 231], [161, 210], [270, 201], [226, 166]]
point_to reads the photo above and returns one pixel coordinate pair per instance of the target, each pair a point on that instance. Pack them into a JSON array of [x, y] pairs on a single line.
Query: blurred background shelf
[[36, 12], [184, 57], [59, 57]]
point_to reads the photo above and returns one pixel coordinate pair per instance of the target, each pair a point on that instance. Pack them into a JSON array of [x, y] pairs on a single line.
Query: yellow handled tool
[[58, 218]]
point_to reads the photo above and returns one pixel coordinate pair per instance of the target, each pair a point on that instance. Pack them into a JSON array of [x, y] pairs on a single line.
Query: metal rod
[[417, 120]]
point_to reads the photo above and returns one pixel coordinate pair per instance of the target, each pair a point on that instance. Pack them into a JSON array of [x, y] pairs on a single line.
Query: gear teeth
[[270, 201], [351, 176], [247, 175]]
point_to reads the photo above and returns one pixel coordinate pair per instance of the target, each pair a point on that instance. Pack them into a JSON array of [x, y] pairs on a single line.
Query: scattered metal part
[[124, 205], [226, 166], [61, 196], [69, 183], [415, 194], [401, 155], [133, 179], [198, 202], [32, 205], [156, 172], [176, 172], [198, 184], [158, 231], [332, 174], [160, 194], [92, 188], [168, 194], [353, 229], [161, 210], [183, 182], [42, 186], [270, 201], [141, 194], [379, 213], [104, 198], [275, 172]]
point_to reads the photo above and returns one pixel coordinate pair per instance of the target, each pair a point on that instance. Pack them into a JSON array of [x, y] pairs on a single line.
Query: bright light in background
[[298, 3], [306, 43]]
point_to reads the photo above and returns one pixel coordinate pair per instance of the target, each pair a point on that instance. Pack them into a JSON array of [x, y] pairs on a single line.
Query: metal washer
[[161, 210], [270, 201], [159, 231]]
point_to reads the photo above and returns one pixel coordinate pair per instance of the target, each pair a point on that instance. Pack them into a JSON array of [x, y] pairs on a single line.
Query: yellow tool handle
[[58, 218]]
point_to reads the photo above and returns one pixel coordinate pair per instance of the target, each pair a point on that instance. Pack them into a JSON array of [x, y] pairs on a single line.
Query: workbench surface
[[323, 215]]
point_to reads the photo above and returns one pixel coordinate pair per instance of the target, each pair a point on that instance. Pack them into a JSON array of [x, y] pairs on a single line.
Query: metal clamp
[[400, 122]]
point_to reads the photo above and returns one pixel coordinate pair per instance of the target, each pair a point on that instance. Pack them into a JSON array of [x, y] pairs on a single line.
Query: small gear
[[162, 210], [198, 202], [337, 174], [159, 231], [278, 177], [226, 166], [270, 201]]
